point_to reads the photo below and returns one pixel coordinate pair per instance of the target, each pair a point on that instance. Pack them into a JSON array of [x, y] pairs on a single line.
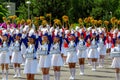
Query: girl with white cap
[[71, 55], [93, 52], [16, 54], [81, 52], [44, 56], [4, 55], [30, 68], [56, 61], [115, 53]]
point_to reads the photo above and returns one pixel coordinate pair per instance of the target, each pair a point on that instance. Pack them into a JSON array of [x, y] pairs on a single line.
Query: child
[[45, 58], [81, 48], [16, 54], [116, 59], [71, 55], [30, 68], [93, 52], [57, 61], [4, 55]]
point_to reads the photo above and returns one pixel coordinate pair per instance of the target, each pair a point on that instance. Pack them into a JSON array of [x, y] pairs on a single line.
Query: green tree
[[3, 12]]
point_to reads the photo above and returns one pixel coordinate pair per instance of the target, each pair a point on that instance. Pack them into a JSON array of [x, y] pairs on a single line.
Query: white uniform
[[56, 55], [16, 54], [4, 55], [81, 49], [30, 63], [45, 58], [101, 47], [71, 53], [93, 52], [116, 60]]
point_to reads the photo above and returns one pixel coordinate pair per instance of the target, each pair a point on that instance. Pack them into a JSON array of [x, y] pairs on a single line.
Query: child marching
[[56, 60], [115, 53]]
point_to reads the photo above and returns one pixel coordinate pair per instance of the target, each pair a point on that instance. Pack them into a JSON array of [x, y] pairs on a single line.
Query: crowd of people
[[54, 46]]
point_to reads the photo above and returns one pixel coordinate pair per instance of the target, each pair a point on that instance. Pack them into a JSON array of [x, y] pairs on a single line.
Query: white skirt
[[82, 54], [56, 60], [45, 61], [23, 49], [16, 57], [30, 66], [63, 50], [102, 51], [71, 57], [108, 45], [93, 53], [116, 62], [87, 50], [4, 57]]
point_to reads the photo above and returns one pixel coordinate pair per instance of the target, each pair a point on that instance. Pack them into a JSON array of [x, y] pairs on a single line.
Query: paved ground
[[101, 74]]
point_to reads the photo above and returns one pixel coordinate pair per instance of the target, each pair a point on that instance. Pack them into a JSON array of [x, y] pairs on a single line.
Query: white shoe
[[3, 78], [81, 73], [72, 78], [15, 76], [19, 75], [93, 69], [23, 64], [100, 66]]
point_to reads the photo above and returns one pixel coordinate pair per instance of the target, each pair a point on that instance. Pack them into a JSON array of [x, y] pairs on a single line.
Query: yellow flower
[[106, 22], [86, 20], [112, 20], [42, 17], [36, 22], [65, 18], [99, 22], [18, 22], [118, 22], [8, 21], [57, 21], [80, 20], [10, 17], [4, 18], [44, 22], [22, 21], [37, 18], [29, 21], [48, 15]]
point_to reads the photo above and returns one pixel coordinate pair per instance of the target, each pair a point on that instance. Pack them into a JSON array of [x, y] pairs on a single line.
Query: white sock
[[94, 65], [15, 70], [58, 75], [55, 74], [117, 76], [3, 73], [6, 74], [19, 73], [102, 62], [99, 60], [47, 77], [89, 61], [82, 68], [74, 70], [71, 71]]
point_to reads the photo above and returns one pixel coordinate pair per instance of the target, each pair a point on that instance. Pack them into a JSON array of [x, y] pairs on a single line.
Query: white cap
[[77, 28], [118, 34], [51, 29], [31, 32], [67, 31], [16, 31], [4, 32]]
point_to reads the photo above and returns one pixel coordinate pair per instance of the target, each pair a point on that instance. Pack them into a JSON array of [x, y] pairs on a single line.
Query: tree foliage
[[3, 12], [75, 9]]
